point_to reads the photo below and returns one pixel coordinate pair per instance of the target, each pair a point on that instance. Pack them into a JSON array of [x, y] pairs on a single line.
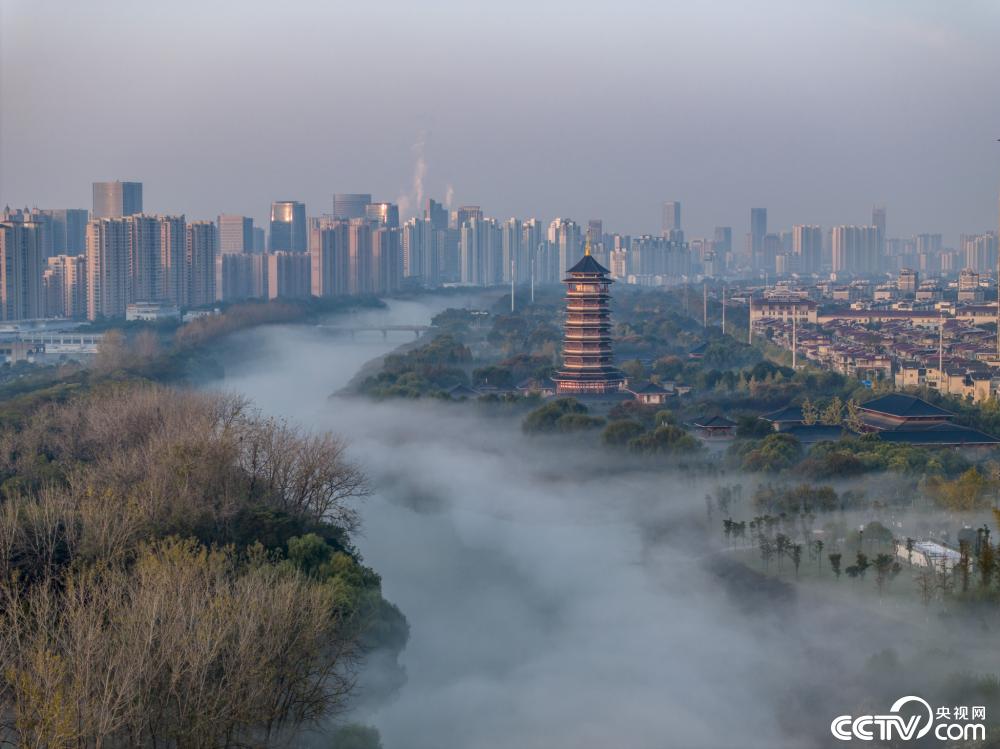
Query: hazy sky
[[815, 109]]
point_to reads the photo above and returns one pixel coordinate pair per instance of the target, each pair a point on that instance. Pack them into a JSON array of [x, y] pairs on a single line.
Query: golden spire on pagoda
[[586, 246]]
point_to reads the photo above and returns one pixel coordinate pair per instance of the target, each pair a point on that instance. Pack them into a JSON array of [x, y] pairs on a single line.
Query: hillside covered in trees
[[178, 571]]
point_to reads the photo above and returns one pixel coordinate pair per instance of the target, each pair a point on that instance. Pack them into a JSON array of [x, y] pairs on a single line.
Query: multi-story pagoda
[[587, 360]]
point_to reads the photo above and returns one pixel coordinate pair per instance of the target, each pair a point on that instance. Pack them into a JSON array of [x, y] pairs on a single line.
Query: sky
[[816, 111]]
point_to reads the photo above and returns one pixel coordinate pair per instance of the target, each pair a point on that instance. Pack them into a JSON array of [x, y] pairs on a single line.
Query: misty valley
[[609, 584]]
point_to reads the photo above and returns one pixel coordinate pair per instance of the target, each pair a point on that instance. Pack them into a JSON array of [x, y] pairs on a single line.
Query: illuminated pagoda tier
[[587, 360]]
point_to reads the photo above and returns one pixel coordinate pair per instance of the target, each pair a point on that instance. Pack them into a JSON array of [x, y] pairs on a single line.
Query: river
[[555, 595]]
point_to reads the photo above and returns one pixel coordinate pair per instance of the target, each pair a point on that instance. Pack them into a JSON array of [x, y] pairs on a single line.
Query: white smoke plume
[[410, 204]]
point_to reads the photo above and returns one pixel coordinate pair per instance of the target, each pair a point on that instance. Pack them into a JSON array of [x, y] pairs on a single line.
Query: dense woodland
[[176, 570]]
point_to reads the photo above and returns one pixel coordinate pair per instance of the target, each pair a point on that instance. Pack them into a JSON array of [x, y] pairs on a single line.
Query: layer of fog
[[557, 596]]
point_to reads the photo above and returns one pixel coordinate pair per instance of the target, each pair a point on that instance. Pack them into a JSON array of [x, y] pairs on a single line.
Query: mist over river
[[558, 595]]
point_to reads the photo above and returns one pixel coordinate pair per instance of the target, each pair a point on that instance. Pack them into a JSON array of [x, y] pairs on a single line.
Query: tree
[[963, 494], [766, 551], [926, 584], [854, 422], [810, 414], [833, 413], [665, 439], [797, 557], [986, 561], [620, 432], [910, 545], [964, 564], [886, 568], [816, 550], [835, 563]]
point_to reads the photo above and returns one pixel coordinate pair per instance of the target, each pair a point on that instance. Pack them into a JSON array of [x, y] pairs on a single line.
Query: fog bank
[[560, 595]]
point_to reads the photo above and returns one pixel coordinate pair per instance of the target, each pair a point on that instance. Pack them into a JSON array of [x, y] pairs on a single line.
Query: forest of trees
[[177, 571]]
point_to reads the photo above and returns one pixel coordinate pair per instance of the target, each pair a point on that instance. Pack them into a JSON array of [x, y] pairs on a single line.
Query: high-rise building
[[242, 276], [856, 250], [722, 243], [878, 221], [466, 213], [672, 221], [515, 258], [288, 226], [64, 284], [107, 267], [588, 363], [565, 237], [259, 239], [807, 245], [288, 275], [536, 252], [359, 256], [328, 246], [423, 250], [21, 271], [436, 213], [174, 267], [481, 252], [69, 230], [145, 258], [758, 230], [384, 214], [348, 205], [980, 252], [387, 260], [235, 233], [117, 199], [202, 240]]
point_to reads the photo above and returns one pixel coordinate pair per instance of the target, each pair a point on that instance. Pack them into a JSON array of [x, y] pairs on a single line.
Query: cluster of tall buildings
[[857, 250], [79, 264]]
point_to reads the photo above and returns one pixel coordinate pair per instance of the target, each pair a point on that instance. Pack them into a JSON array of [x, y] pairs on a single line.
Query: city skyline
[[607, 137]]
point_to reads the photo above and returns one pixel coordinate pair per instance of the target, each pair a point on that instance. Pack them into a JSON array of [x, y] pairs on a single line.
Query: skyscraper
[[145, 258], [64, 282], [328, 246], [348, 205], [200, 261], [21, 271], [387, 260], [117, 199], [235, 233], [359, 254], [481, 252], [384, 214], [259, 239], [107, 267], [856, 249], [288, 275], [174, 285], [807, 245], [515, 259], [69, 230], [565, 238], [758, 230], [672, 221], [723, 240], [288, 226], [436, 213], [466, 213]]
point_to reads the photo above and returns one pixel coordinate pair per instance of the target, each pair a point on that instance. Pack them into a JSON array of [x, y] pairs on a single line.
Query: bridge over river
[[385, 330]]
